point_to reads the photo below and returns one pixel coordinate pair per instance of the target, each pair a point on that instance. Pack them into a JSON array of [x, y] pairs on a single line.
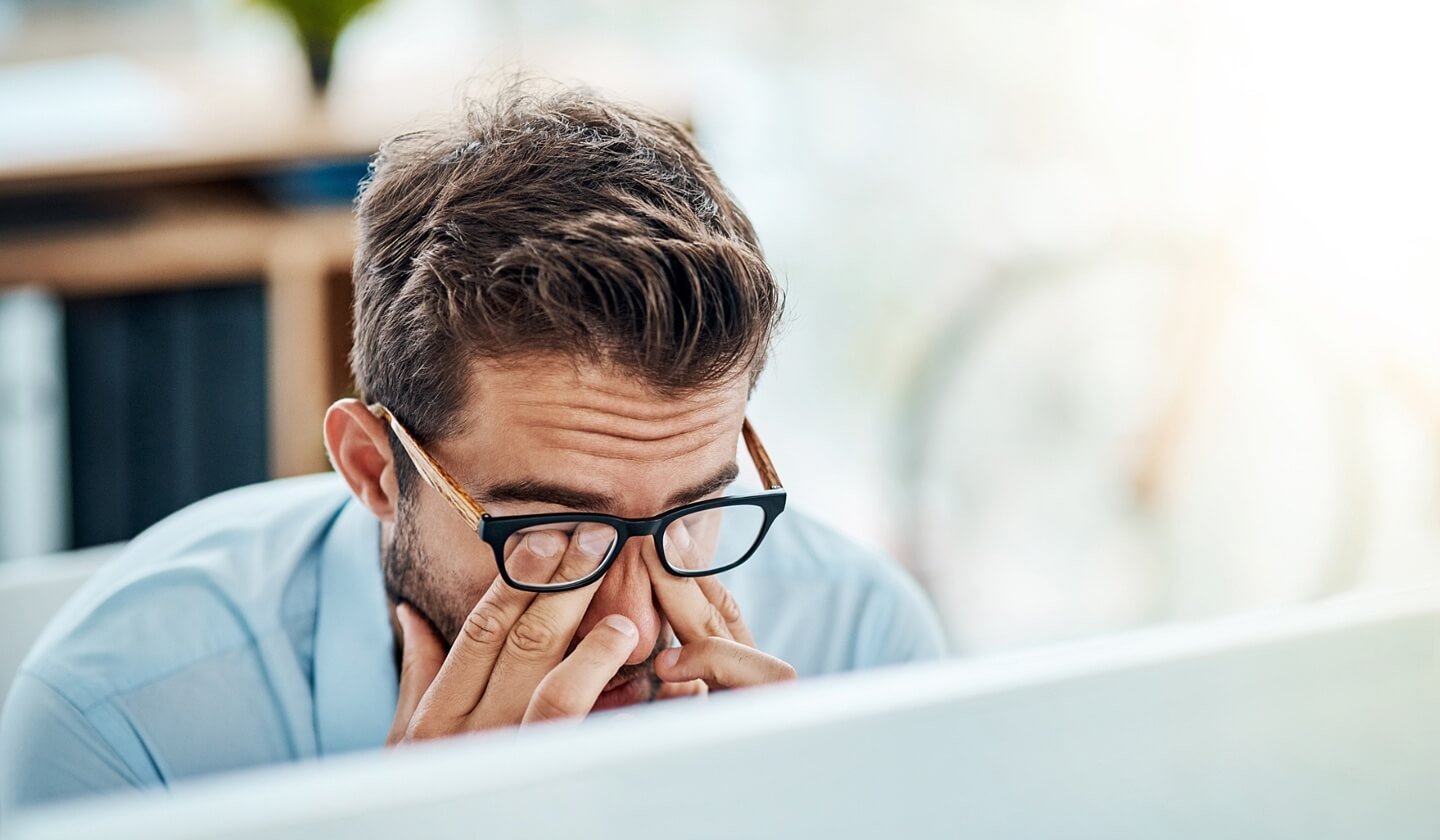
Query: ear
[[359, 448]]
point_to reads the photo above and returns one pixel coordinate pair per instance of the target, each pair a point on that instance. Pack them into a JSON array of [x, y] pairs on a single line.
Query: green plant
[[317, 25]]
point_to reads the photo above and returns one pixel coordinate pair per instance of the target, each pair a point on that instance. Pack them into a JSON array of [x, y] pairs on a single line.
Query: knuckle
[[574, 568], [731, 662], [729, 608], [483, 626], [715, 623], [534, 635], [556, 699], [422, 729], [719, 670]]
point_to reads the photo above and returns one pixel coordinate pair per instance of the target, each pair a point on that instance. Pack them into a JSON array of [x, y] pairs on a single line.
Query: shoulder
[[829, 603], [189, 612]]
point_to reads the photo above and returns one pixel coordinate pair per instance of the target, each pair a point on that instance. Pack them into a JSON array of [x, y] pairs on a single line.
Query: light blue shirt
[[252, 628]]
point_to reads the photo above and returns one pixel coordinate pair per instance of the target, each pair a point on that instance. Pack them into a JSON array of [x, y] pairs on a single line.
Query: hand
[[508, 665], [716, 649]]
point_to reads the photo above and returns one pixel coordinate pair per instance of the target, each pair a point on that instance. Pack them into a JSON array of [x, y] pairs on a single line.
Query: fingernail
[[668, 658], [545, 544], [402, 615], [623, 624], [594, 541]]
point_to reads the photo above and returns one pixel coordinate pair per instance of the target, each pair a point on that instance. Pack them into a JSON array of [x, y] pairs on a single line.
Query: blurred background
[[1102, 312]]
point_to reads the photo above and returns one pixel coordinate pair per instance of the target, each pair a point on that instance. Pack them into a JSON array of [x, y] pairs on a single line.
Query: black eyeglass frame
[[771, 501], [495, 531]]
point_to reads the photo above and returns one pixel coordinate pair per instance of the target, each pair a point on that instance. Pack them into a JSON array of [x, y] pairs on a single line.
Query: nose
[[626, 590]]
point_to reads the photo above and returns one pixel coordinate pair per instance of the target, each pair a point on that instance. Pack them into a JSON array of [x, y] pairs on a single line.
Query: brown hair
[[551, 222]]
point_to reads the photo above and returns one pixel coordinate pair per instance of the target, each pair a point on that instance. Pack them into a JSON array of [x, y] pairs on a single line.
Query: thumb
[[421, 656]]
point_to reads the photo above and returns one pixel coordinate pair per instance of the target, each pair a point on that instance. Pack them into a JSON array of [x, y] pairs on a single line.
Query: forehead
[[593, 428]]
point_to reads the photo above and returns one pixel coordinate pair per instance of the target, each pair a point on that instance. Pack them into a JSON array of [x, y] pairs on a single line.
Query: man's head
[[564, 306]]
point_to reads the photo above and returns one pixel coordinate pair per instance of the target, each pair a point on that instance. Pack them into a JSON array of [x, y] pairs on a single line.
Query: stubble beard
[[410, 578]]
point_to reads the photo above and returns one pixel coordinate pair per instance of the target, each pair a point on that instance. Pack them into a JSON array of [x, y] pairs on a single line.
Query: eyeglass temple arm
[[763, 465], [435, 475]]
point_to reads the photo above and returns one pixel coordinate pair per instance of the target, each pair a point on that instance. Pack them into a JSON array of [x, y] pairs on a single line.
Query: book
[[34, 462], [168, 403]]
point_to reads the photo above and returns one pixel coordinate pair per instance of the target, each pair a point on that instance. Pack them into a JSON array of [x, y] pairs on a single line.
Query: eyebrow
[[549, 493], [694, 493]]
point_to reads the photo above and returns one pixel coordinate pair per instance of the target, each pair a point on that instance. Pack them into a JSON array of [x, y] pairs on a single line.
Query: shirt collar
[[356, 684]]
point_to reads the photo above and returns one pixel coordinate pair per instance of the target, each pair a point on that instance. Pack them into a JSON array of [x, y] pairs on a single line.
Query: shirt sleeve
[[50, 750]]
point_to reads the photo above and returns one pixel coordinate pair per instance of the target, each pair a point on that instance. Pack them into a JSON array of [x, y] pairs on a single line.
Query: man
[[559, 317]]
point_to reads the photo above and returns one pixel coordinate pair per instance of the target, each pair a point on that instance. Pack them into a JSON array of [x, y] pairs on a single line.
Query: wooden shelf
[[208, 246], [302, 256]]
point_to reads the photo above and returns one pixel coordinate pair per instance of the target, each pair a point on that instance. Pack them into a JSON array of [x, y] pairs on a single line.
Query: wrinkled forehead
[[594, 428]]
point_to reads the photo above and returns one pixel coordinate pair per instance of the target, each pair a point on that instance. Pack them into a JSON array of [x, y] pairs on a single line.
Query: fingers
[[570, 690], [463, 678], [729, 608], [692, 616], [422, 654], [721, 663], [680, 547], [540, 635], [693, 688]]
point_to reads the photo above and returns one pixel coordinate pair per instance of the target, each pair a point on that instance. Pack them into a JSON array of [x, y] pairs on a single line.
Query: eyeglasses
[[556, 552]]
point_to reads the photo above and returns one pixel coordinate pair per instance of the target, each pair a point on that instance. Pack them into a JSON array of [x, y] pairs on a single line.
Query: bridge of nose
[[626, 590]]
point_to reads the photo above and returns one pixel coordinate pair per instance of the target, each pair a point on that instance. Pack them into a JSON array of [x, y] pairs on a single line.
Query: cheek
[[458, 567]]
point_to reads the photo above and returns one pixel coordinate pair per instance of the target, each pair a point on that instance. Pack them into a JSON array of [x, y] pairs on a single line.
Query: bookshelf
[[207, 216]]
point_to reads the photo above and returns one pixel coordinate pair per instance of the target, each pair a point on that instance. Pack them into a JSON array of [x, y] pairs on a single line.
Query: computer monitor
[[1312, 723]]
